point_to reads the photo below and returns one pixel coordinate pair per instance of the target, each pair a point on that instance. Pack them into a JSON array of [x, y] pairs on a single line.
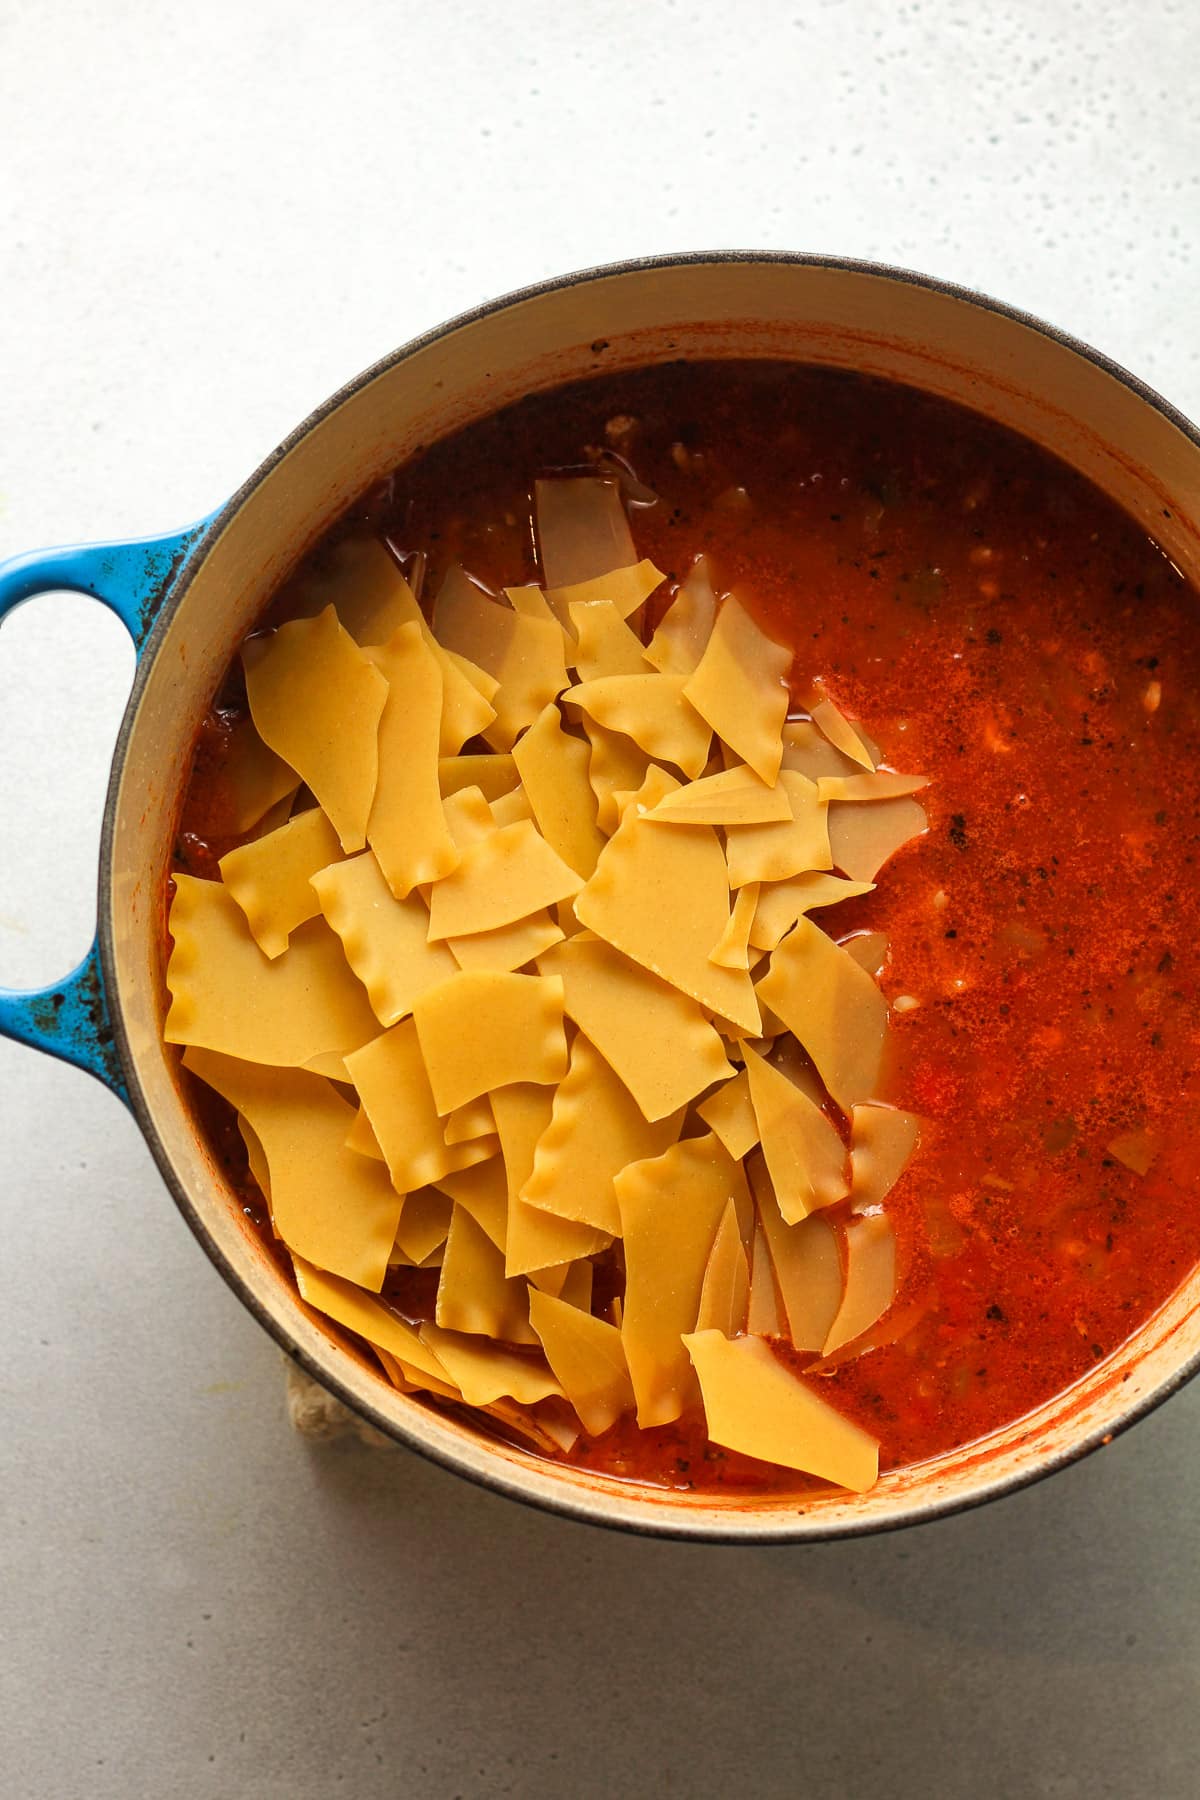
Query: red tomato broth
[[995, 622]]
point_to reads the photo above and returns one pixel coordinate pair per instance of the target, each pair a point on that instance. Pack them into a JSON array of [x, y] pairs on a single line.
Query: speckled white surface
[[209, 217]]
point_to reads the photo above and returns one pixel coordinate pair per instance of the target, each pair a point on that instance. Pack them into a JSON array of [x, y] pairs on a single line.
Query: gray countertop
[[211, 217]]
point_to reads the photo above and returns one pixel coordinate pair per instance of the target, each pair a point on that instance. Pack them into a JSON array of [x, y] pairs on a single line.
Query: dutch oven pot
[[189, 598]]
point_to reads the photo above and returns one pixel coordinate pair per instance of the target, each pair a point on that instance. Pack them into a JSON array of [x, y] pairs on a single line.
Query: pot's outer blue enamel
[[70, 1019]]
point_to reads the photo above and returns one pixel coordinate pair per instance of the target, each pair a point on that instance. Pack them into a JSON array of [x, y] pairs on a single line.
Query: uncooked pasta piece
[[781, 903], [833, 1008], [736, 796], [777, 851], [483, 1029], [503, 877], [332, 1207], [588, 1360], [661, 897], [740, 687], [407, 825], [316, 701], [732, 948], [270, 878], [725, 1294], [385, 940], [804, 1154], [485, 1372], [652, 710], [754, 1405], [596, 1128], [671, 1208], [842, 734], [390, 1076], [582, 529], [604, 643], [730, 1113], [627, 1013], [863, 837], [524, 655], [536, 1240], [870, 1279], [347, 1305], [474, 1294], [227, 996], [553, 770], [883, 784], [683, 633], [508, 947]]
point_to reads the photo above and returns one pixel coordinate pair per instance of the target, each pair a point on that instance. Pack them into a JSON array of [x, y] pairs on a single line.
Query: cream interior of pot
[[846, 317]]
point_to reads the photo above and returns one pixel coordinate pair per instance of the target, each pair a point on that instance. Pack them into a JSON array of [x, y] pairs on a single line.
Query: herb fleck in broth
[[993, 620]]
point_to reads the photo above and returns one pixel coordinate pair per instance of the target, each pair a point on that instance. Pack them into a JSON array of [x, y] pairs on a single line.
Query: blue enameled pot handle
[[71, 1019]]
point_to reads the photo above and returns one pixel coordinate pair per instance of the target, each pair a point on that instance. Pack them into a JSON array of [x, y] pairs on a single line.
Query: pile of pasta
[[527, 991]]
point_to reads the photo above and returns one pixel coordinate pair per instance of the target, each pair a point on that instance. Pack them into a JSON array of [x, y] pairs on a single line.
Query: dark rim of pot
[[808, 1528]]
